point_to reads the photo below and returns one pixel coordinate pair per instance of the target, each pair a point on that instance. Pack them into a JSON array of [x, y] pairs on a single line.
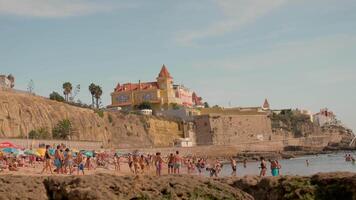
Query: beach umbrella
[[32, 153], [88, 153], [7, 145], [41, 151], [10, 150], [20, 153], [52, 151]]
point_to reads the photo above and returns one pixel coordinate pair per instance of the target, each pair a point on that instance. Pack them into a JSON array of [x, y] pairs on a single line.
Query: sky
[[296, 53]]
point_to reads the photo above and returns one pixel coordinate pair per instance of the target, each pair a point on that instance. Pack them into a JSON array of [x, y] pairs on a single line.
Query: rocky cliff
[[21, 112]]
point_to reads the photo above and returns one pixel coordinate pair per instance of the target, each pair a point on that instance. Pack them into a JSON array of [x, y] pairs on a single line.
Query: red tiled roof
[[164, 73], [136, 86]]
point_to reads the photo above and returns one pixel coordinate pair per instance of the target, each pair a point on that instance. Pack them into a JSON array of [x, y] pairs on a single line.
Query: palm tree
[[98, 93], [67, 89], [92, 88]]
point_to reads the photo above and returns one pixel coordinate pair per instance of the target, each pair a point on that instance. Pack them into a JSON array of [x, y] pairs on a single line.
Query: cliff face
[[20, 113]]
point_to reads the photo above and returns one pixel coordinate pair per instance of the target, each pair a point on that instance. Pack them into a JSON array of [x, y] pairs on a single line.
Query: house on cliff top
[[162, 94]]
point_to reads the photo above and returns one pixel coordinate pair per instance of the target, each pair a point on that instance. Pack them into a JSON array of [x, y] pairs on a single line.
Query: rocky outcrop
[[21, 112], [324, 186], [328, 186], [106, 187]]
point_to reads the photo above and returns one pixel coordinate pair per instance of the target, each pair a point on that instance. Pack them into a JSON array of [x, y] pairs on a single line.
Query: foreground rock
[[103, 186], [338, 185]]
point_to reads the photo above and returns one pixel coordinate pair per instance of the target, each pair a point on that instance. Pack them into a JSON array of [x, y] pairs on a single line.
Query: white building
[[324, 116]]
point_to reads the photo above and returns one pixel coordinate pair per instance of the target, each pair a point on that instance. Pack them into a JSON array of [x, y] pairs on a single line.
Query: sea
[[297, 166]]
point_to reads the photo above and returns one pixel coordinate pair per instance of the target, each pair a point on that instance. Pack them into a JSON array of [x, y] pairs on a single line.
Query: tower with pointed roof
[[165, 83], [266, 105]]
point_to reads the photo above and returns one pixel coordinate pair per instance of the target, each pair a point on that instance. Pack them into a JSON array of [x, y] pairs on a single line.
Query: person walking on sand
[[233, 166], [307, 162], [47, 161], [245, 163], [263, 167]]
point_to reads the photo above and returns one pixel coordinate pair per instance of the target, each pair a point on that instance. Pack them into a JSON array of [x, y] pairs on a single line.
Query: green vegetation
[[96, 92], [63, 130], [92, 89], [56, 97], [292, 121], [67, 89], [100, 113], [41, 133], [175, 106], [145, 105], [206, 105], [298, 188], [110, 118]]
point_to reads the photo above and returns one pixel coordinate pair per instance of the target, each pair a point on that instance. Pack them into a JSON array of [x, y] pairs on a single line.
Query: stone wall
[[232, 129], [164, 132]]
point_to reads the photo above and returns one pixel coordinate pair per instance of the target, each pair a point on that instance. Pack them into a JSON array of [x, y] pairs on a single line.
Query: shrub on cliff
[[41, 133], [145, 105], [63, 130], [56, 97], [100, 113], [110, 118], [292, 121]]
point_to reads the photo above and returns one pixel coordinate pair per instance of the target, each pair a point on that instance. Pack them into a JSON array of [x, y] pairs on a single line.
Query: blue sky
[[296, 53]]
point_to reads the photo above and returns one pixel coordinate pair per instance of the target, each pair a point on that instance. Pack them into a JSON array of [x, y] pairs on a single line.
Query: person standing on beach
[[136, 165], [117, 162], [130, 162], [274, 167], [177, 163], [263, 167], [68, 161], [80, 163], [233, 166], [142, 163], [158, 164], [58, 160], [171, 164], [47, 161]]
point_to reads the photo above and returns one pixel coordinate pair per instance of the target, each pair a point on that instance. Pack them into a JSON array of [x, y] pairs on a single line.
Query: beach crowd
[[59, 159]]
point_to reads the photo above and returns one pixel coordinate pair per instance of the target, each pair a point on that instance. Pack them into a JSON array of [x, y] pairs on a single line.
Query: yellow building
[[161, 94]]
